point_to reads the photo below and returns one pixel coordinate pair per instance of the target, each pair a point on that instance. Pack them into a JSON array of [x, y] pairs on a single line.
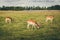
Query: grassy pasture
[[17, 29]]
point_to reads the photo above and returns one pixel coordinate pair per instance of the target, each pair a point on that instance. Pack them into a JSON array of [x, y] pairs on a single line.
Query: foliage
[[56, 7]]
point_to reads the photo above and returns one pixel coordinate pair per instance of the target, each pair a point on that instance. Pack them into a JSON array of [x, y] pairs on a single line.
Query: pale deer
[[49, 18], [8, 19], [33, 23]]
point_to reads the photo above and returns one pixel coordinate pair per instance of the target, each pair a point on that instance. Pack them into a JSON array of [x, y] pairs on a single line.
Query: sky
[[41, 3]]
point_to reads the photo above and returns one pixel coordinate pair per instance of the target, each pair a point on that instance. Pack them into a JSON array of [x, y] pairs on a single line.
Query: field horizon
[[17, 30]]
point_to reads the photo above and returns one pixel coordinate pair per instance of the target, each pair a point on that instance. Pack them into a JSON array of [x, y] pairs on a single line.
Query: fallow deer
[[8, 19], [49, 18], [33, 23]]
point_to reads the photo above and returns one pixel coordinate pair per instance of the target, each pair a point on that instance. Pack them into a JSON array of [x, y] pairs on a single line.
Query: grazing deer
[[33, 23], [49, 18], [8, 19]]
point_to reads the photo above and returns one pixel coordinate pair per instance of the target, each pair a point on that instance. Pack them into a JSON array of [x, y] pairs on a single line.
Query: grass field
[[17, 30]]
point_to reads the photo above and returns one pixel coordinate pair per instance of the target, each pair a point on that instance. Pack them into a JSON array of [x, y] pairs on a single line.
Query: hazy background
[[41, 3]]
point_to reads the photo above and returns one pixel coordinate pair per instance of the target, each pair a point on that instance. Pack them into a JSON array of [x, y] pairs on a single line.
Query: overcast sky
[[29, 2]]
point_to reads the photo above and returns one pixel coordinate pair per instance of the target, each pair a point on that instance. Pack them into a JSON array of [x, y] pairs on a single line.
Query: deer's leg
[[47, 20], [9, 21], [34, 26], [28, 26]]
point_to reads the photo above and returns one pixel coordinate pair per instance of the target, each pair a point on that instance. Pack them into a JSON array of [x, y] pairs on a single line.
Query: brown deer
[[33, 23], [8, 19], [49, 18]]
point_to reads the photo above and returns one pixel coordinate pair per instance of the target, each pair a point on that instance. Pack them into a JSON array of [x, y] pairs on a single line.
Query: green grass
[[17, 30]]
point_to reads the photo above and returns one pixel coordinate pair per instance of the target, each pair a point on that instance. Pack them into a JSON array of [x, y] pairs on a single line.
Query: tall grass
[[17, 30]]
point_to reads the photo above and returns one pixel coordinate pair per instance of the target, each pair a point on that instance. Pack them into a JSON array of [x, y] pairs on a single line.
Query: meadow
[[17, 30]]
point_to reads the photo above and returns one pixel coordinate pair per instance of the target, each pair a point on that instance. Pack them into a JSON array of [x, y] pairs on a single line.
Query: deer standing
[[8, 19], [49, 18], [33, 23]]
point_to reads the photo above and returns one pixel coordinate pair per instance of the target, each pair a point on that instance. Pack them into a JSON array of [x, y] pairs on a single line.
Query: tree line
[[56, 7]]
